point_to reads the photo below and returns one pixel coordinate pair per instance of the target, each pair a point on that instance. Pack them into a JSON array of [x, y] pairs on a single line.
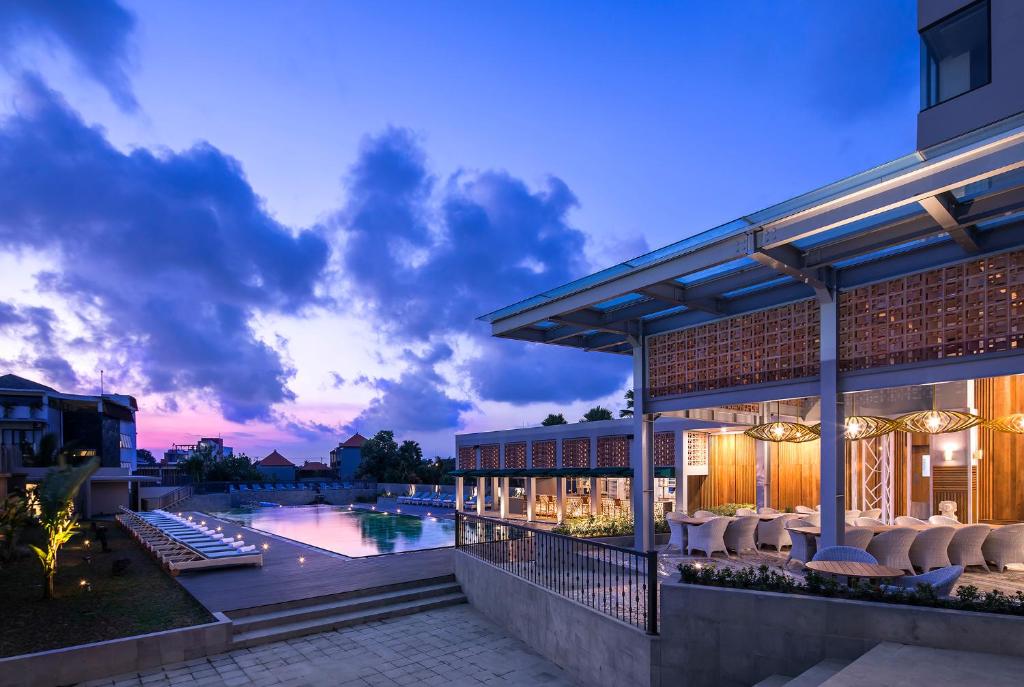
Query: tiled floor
[[454, 647]]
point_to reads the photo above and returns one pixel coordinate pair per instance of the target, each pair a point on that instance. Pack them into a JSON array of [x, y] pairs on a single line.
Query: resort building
[[346, 457], [85, 427], [872, 330], [214, 446], [275, 467]]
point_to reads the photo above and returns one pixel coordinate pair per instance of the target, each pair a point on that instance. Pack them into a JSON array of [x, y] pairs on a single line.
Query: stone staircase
[[812, 677], [275, 622]]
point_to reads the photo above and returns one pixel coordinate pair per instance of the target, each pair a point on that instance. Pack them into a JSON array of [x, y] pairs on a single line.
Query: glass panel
[[955, 55]]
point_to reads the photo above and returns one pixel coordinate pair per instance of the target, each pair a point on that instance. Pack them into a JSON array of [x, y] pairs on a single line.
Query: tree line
[[595, 414]]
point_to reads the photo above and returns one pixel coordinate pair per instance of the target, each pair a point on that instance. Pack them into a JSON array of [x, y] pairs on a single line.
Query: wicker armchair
[[677, 531], [1004, 545], [907, 521], [743, 512], [773, 532], [943, 520], [704, 514], [867, 522], [965, 547], [739, 534], [931, 548], [858, 537], [765, 510], [709, 537], [804, 509], [803, 545], [892, 548], [813, 519], [875, 513], [942, 581], [844, 553]]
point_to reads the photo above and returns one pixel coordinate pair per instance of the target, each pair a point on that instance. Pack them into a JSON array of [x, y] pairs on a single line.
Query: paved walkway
[[453, 647]]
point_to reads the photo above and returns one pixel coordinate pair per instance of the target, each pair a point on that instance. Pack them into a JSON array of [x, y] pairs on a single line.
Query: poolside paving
[[283, 578], [454, 647]]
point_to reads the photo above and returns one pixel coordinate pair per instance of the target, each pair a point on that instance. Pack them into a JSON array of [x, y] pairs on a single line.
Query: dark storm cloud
[[95, 32], [167, 257], [35, 325], [427, 259]]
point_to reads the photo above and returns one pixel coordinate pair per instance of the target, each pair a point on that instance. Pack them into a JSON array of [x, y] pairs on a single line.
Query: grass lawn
[[143, 599]]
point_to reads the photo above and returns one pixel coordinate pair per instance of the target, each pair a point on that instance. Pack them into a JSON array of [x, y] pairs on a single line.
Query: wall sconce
[[978, 455], [948, 455], [926, 465]]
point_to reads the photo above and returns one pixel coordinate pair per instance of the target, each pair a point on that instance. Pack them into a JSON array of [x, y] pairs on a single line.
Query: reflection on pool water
[[353, 533]]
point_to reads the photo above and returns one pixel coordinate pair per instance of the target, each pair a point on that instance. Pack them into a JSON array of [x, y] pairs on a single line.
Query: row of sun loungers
[[182, 544], [430, 498], [298, 486]]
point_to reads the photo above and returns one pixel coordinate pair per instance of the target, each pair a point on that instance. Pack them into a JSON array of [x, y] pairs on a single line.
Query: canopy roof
[[961, 199]]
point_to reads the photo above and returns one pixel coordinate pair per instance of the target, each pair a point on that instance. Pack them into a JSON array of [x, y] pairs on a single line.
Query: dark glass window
[[955, 55]]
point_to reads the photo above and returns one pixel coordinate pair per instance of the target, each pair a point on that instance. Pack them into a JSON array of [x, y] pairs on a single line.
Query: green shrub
[[728, 509], [763, 578], [604, 526]]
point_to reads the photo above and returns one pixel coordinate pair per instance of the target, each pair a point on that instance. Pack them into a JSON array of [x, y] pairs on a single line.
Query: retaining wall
[[116, 656], [736, 637], [595, 649]]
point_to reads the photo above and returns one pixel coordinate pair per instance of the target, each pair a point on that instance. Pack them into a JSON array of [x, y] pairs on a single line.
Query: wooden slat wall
[[950, 484], [730, 476], [795, 474], [1001, 479]]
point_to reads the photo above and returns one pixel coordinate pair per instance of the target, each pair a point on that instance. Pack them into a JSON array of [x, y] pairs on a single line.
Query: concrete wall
[[734, 637], [115, 657], [295, 497], [106, 498], [593, 648]]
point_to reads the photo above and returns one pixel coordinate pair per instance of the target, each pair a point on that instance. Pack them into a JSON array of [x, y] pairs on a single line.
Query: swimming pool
[[354, 533]]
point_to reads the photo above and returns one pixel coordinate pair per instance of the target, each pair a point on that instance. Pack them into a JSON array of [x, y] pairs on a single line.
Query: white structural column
[[833, 454], [531, 496], [495, 494], [762, 472], [481, 493], [595, 497], [642, 455], [682, 497], [504, 496], [560, 499], [460, 487]]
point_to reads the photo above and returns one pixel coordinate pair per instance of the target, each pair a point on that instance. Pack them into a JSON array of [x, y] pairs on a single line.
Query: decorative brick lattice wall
[[696, 456], [576, 453], [544, 453], [769, 346], [515, 455], [612, 452], [973, 308], [664, 449], [467, 458], [489, 457]]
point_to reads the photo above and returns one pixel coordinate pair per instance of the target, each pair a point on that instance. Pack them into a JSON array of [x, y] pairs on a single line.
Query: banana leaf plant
[[55, 498]]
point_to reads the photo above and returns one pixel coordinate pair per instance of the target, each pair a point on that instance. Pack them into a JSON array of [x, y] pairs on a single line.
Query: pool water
[[354, 533]]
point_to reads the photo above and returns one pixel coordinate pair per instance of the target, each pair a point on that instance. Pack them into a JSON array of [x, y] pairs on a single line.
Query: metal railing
[[618, 582]]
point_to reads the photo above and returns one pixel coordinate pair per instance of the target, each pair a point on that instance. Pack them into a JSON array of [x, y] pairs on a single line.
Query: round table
[[853, 570]]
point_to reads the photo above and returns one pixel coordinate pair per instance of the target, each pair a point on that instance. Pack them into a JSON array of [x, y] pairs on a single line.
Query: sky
[[278, 222]]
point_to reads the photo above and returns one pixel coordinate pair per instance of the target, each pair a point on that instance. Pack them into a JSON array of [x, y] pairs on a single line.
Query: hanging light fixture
[[863, 427], [782, 431], [1008, 423], [938, 421]]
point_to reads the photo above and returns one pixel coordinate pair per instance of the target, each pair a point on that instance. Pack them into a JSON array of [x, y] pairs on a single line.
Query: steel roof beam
[[790, 261], [588, 319], [944, 209], [674, 294]]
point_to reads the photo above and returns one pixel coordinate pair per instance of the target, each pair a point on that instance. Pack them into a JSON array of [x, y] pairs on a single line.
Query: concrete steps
[[814, 676], [254, 626]]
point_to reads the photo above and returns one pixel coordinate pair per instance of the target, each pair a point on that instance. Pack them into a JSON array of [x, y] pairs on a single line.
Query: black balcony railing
[[619, 582]]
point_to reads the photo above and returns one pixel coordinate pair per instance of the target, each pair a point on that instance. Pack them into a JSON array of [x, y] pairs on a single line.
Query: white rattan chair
[[867, 522], [709, 537], [943, 520], [907, 521], [858, 537], [804, 509], [743, 512], [965, 547], [765, 510], [892, 548], [1004, 545], [813, 519], [942, 581], [931, 548], [704, 514], [676, 531], [844, 553], [773, 532], [739, 534], [803, 546], [875, 513]]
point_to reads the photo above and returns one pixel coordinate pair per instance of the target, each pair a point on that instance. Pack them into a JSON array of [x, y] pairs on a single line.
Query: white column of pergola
[[642, 453], [833, 454]]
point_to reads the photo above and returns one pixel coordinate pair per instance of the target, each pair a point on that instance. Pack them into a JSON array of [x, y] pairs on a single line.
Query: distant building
[[346, 457], [100, 426], [276, 467], [314, 468], [182, 452]]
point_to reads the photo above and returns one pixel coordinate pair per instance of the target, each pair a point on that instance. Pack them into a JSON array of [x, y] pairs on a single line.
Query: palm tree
[[628, 410], [554, 419], [597, 413], [55, 500]]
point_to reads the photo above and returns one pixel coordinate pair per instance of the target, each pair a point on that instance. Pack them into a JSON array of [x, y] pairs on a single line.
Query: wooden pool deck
[[283, 578]]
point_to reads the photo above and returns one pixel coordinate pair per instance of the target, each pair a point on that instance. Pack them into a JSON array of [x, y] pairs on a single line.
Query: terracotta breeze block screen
[[770, 346], [576, 453], [544, 453], [665, 449], [489, 457], [973, 308], [467, 458], [612, 452], [515, 455]]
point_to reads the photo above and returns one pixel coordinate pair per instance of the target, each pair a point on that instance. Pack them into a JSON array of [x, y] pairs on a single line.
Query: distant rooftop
[[11, 382], [275, 460], [355, 441]]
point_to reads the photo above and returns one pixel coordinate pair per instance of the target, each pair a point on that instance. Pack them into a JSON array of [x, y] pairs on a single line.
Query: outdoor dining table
[[689, 520], [853, 570]]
